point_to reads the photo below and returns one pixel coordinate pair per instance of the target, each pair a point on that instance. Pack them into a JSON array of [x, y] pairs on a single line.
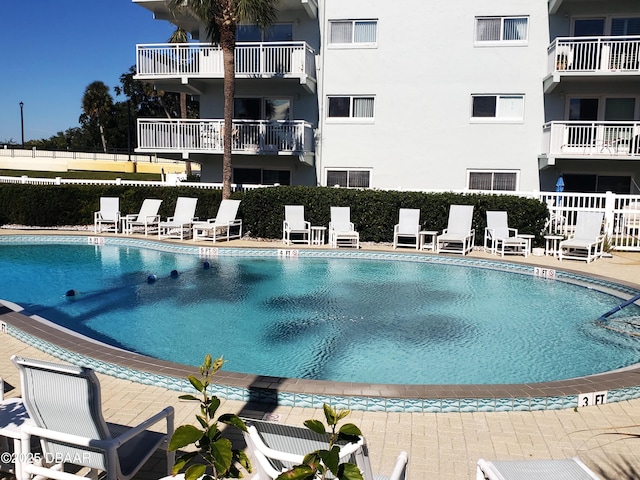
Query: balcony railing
[[253, 60], [599, 55], [253, 137], [600, 139]]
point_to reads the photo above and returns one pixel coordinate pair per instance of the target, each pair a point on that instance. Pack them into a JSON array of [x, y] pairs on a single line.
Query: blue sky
[[53, 49]]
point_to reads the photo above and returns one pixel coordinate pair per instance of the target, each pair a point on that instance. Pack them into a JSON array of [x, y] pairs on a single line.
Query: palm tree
[[221, 17], [181, 36], [96, 106]]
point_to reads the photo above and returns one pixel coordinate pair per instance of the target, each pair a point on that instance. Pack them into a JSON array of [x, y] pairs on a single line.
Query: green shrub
[[374, 212]]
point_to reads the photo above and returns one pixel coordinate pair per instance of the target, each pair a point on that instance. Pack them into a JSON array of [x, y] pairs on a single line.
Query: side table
[[529, 238], [552, 243], [428, 240], [317, 235]]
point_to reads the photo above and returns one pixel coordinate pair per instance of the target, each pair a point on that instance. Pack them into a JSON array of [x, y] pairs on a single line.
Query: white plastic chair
[[179, 226], [565, 469], [65, 404], [13, 416], [108, 217], [500, 238], [225, 223], [295, 229], [147, 218], [587, 242], [458, 237], [406, 233], [342, 232], [276, 447]]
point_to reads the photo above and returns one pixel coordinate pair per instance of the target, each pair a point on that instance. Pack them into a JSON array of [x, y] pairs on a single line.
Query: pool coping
[[617, 385]]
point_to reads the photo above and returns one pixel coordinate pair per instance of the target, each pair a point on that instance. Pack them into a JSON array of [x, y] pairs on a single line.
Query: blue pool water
[[341, 319]]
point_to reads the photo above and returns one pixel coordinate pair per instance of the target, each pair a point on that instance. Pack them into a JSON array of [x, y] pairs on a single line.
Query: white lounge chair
[[566, 469], [64, 403], [276, 447], [107, 219], [225, 223], [500, 238], [342, 232], [13, 416], [179, 226], [406, 233], [295, 229], [458, 237], [587, 242], [147, 218]]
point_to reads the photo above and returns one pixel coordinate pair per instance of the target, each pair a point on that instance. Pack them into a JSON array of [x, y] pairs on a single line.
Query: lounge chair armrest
[[167, 413], [130, 217], [399, 471]]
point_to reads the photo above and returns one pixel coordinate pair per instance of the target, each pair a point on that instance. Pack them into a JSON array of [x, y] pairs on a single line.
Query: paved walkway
[[440, 445]]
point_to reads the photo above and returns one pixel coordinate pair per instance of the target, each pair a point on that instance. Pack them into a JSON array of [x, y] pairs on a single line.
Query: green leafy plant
[[317, 465], [214, 456]]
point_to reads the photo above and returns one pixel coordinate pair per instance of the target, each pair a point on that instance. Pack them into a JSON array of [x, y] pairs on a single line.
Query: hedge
[[374, 212]]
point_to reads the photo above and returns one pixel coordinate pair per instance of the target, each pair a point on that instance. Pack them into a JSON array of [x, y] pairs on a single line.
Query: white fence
[[62, 154], [621, 212], [206, 135], [577, 138], [602, 55], [252, 60]]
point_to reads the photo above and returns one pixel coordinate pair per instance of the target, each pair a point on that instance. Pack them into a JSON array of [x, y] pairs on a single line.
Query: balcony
[[590, 140], [605, 58], [191, 62], [250, 137]]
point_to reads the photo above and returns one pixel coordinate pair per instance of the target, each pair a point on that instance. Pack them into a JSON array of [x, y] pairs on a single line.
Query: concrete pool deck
[[440, 445]]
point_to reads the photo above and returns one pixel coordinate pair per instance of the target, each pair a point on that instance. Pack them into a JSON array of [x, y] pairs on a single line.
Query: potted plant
[[214, 456], [561, 61]]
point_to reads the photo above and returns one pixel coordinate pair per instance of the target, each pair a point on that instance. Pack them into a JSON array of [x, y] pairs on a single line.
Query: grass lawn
[[81, 175]]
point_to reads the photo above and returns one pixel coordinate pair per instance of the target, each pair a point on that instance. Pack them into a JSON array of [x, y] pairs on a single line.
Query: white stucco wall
[[423, 72]]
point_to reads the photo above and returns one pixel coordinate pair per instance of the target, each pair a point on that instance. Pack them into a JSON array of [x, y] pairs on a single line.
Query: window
[[349, 178], [493, 180], [508, 108], [346, 32], [502, 29], [258, 176], [350, 107]]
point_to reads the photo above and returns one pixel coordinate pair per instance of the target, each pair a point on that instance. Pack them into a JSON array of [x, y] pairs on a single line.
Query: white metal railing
[[592, 138], [26, 180], [249, 136], [253, 59], [94, 156], [604, 55], [621, 215]]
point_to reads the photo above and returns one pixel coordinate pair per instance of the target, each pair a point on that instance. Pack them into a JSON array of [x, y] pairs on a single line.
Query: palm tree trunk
[[102, 137], [227, 42]]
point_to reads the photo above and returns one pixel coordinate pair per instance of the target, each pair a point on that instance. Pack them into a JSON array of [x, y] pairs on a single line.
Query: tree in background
[[96, 107], [221, 18]]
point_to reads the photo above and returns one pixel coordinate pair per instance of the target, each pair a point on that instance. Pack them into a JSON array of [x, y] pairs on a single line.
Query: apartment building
[[474, 94], [591, 132]]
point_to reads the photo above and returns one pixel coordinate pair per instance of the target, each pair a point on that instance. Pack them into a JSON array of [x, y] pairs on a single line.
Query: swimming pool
[[315, 317]]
